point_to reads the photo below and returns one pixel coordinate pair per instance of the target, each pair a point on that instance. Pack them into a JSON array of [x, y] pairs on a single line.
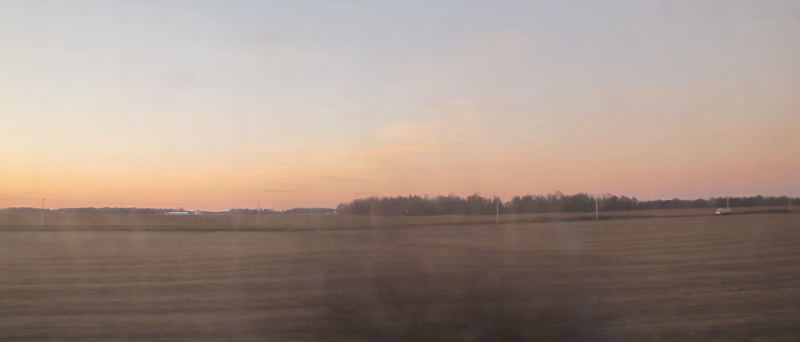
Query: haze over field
[[213, 105]]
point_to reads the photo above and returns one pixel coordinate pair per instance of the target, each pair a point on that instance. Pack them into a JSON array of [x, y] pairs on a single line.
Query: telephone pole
[[41, 221], [258, 213], [596, 209], [497, 211]]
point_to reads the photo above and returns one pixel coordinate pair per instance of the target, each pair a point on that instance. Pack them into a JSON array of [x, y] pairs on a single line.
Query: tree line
[[476, 204]]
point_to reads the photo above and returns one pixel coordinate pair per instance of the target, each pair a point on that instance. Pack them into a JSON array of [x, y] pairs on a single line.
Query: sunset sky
[[214, 105]]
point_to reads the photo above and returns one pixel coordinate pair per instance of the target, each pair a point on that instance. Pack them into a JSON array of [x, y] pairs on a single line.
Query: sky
[[223, 104]]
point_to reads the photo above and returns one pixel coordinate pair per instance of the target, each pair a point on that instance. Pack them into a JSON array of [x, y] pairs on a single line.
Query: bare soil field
[[687, 278], [56, 220]]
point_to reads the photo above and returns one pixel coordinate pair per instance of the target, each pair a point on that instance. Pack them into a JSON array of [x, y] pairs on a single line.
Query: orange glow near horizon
[[325, 180]]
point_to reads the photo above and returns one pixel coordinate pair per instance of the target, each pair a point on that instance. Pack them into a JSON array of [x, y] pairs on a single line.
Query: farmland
[[672, 276], [31, 219]]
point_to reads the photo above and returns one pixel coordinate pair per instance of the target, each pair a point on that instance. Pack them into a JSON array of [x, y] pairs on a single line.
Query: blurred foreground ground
[[678, 278]]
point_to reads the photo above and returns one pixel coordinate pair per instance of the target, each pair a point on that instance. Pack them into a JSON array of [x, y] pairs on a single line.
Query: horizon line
[[601, 196]]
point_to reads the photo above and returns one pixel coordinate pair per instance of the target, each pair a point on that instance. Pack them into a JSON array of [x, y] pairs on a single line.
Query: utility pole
[[41, 221], [596, 209], [258, 213], [497, 212], [727, 200]]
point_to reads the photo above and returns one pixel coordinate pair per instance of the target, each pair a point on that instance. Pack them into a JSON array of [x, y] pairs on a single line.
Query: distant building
[[177, 213]]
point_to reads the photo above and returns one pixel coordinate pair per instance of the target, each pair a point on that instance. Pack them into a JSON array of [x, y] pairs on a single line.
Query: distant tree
[[476, 204]]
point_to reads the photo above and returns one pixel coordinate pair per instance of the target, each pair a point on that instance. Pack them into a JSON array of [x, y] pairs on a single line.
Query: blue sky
[[152, 101]]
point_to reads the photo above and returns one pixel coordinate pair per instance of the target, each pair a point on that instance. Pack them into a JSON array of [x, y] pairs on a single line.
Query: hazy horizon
[[267, 206], [217, 105]]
